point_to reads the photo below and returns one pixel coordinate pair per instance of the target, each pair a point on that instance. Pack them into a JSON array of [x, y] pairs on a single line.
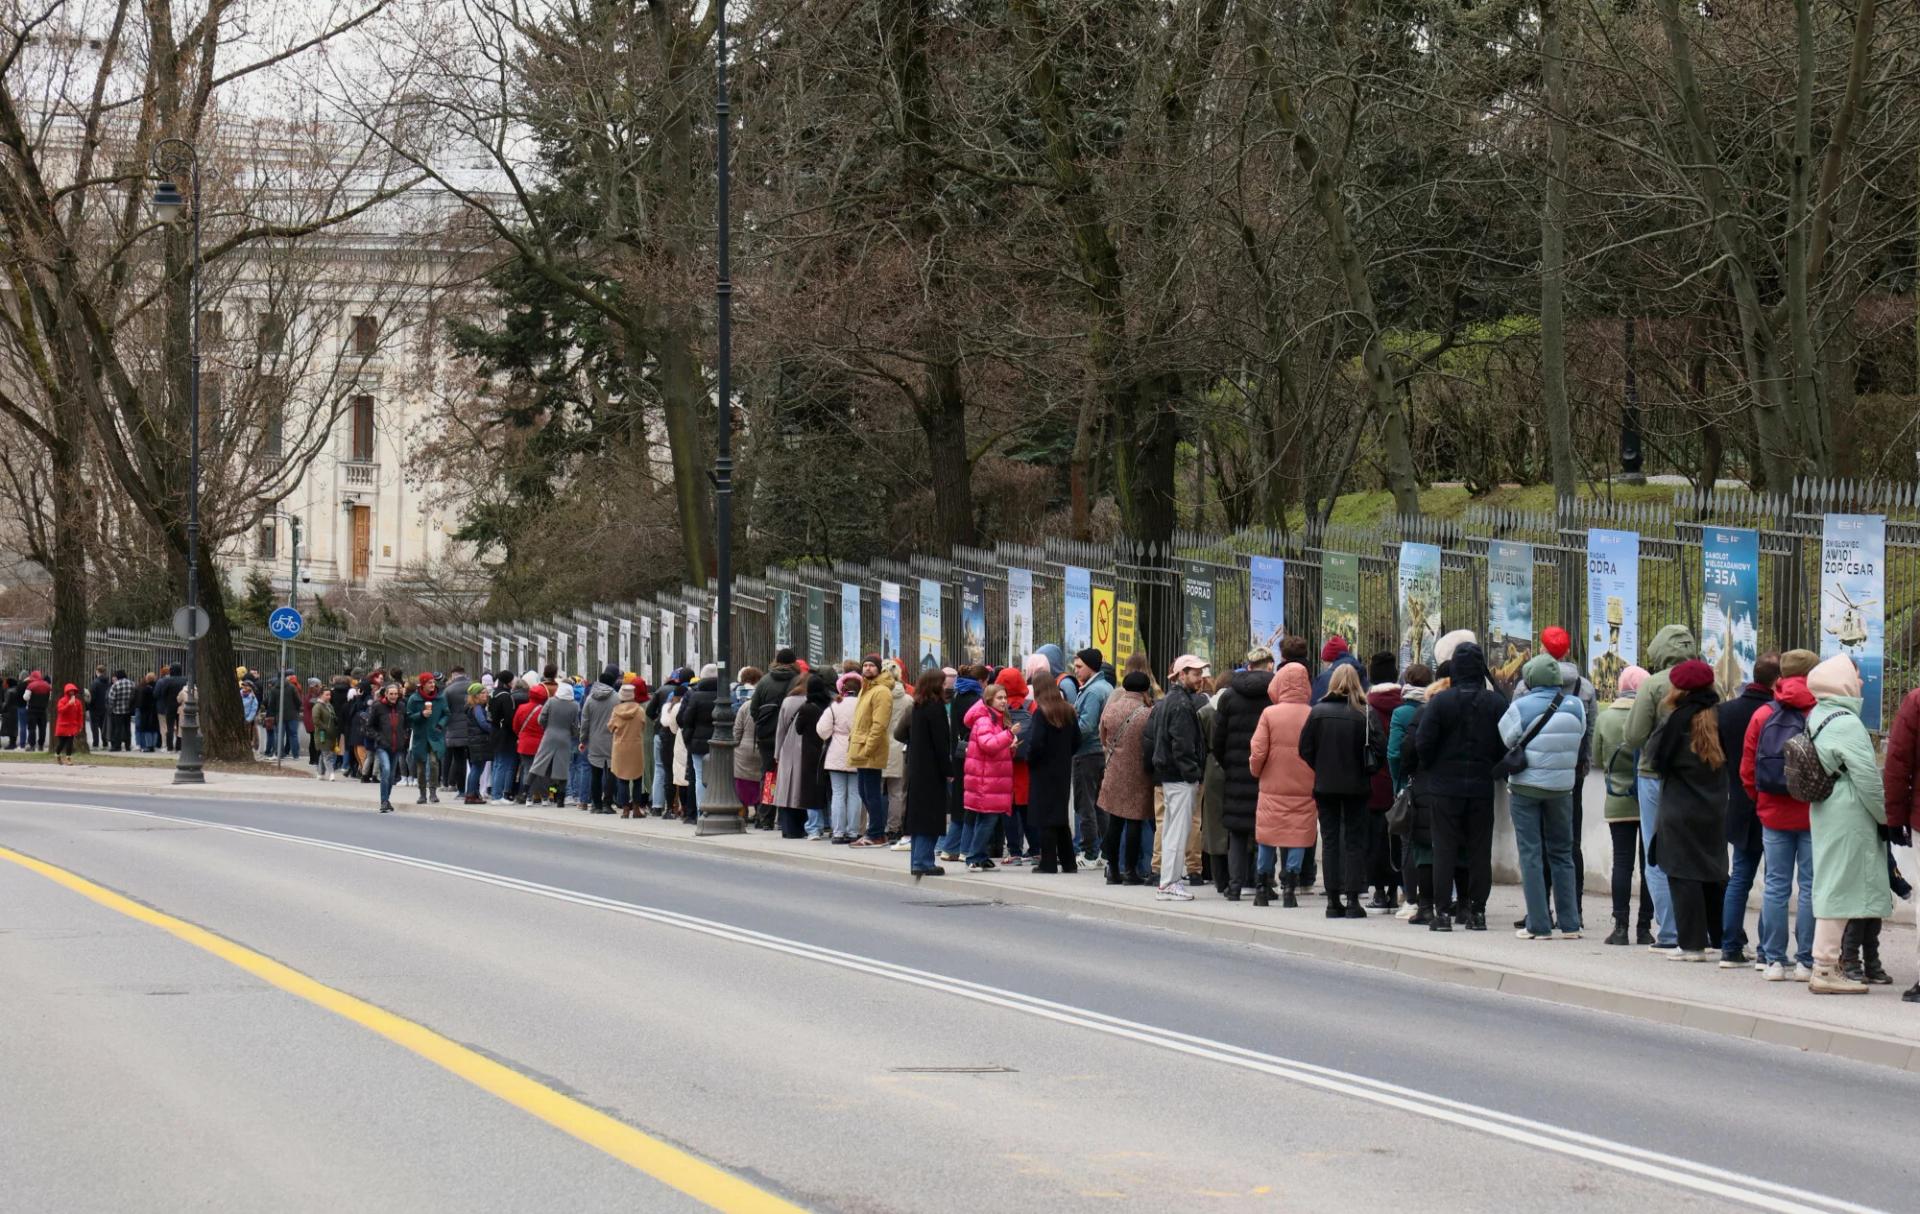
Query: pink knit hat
[[1631, 678]]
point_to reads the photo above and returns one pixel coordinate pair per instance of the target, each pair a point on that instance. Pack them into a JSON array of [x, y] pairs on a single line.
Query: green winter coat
[[325, 734], [1849, 859], [1616, 760], [1671, 646], [429, 729]]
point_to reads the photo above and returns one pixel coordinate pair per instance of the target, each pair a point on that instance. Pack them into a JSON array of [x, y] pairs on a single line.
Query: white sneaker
[[1801, 973], [1759, 967], [1407, 911], [1176, 892], [1681, 954], [1527, 934], [1775, 972], [902, 845], [1565, 935]]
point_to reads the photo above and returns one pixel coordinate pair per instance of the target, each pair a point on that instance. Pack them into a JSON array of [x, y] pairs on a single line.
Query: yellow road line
[[667, 1164]]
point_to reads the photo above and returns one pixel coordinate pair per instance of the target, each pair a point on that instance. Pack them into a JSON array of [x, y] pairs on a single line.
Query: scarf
[[962, 686], [1677, 734]]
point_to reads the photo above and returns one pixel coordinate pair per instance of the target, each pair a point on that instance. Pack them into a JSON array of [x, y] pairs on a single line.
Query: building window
[[271, 333], [366, 334], [273, 414], [362, 414], [213, 327], [267, 545]]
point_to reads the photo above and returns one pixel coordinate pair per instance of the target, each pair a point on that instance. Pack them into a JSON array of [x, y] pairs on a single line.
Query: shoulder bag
[[1515, 760]]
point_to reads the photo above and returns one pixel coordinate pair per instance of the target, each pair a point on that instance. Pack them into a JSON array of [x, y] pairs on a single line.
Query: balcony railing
[[361, 474]]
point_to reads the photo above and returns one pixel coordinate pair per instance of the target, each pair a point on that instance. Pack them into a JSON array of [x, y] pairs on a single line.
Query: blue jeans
[[389, 768], [817, 824], [1733, 914], [290, 737], [662, 776], [1544, 825], [476, 765], [1786, 851], [1267, 858], [1146, 849], [955, 836], [846, 804], [923, 854], [504, 767], [1667, 936], [980, 829], [148, 740], [577, 778], [873, 795]]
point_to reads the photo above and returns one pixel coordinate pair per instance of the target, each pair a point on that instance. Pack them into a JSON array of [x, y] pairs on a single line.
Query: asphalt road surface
[[473, 1017]]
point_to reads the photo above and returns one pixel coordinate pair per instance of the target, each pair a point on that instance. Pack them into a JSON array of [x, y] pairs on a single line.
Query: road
[[801, 1040]]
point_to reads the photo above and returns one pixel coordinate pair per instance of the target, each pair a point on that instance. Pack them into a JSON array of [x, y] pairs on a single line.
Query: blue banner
[[1079, 609], [1419, 602], [932, 656], [1853, 559], [850, 621], [1267, 601], [1613, 607], [973, 618], [1730, 605], [889, 619], [1509, 608]]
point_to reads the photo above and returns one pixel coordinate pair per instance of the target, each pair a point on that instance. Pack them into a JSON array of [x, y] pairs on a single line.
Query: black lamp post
[[171, 159], [720, 807]]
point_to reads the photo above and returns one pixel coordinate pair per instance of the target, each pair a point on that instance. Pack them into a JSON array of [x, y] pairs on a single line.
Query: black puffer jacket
[[696, 719], [764, 708], [1335, 742], [1458, 738], [1236, 716]]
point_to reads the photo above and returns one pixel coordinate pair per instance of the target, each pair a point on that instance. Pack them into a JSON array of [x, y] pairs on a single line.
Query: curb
[[1770, 1028]]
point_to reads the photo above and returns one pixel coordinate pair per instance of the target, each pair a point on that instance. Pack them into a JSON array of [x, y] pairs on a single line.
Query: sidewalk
[[1633, 981]]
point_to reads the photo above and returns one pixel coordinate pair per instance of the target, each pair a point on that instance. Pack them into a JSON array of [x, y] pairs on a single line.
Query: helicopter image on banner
[[1851, 631]]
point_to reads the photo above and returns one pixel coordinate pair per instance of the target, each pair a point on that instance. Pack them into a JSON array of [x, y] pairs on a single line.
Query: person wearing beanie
[[427, 722], [1690, 832], [1237, 712], [1619, 765], [696, 729], [871, 745], [1551, 727], [1444, 648], [1743, 824], [1333, 655], [1555, 642], [627, 759], [69, 722], [1095, 681], [596, 727], [1126, 791], [1456, 743], [1671, 646], [764, 705], [835, 728], [1850, 831], [1786, 834], [1013, 830]]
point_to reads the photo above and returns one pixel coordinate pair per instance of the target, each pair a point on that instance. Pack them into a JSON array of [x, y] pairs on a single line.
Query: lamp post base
[[186, 768], [721, 812]]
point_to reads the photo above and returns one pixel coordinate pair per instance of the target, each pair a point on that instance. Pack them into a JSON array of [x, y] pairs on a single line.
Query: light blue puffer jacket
[[1554, 754]]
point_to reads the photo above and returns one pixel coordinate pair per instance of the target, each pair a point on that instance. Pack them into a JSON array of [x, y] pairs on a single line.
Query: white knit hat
[[1444, 647]]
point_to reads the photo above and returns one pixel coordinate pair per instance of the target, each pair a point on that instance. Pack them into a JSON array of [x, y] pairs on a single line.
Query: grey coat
[[789, 766], [455, 698], [746, 753], [561, 717], [596, 715]]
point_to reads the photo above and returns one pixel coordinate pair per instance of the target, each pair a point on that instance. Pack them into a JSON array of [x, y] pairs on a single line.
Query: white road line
[[1698, 1177]]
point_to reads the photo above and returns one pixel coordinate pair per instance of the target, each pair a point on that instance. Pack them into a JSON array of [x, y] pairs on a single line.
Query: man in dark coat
[[97, 706], [166, 696], [764, 706], [930, 770], [1743, 823], [1235, 717], [1458, 742]]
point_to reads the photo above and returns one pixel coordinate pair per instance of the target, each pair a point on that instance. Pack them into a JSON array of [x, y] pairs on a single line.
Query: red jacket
[[1019, 701], [527, 729], [1777, 810], [70, 715], [1902, 790]]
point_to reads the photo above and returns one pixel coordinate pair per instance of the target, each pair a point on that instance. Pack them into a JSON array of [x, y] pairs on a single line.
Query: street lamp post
[[720, 810], [171, 158]]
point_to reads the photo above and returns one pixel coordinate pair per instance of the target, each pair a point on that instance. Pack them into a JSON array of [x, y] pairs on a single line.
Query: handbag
[[1515, 760], [1400, 813], [1807, 777]]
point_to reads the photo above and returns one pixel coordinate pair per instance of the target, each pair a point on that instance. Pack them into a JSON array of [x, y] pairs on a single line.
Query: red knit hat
[[1335, 647], [1692, 675], [1555, 641]]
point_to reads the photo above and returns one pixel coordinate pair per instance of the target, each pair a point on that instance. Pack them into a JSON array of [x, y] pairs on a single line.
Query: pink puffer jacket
[[989, 766]]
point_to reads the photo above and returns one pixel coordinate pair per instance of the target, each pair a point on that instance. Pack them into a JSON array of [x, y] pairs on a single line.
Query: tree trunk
[[684, 401], [1806, 385], [224, 731], [67, 565], [944, 422], [1553, 252]]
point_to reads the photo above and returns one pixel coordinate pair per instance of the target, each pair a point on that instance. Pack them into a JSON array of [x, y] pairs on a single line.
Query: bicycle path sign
[[285, 623]]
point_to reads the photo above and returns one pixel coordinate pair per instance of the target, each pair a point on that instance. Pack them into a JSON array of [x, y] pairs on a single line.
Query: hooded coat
[[1286, 814], [1849, 859], [1690, 828], [454, 699], [596, 715], [70, 714], [929, 766], [989, 762], [872, 736], [559, 721], [627, 724], [1383, 701], [696, 715], [1671, 646], [1902, 774], [527, 727], [1458, 734], [1020, 721], [769, 696], [966, 693], [1126, 790], [896, 729], [1619, 765], [1050, 751], [746, 753], [1236, 717], [835, 728], [428, 725], [801, 778], [1553, 756]]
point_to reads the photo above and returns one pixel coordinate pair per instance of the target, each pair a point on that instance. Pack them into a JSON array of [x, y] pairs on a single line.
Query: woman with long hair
[[1286, 819], [1690, 829], [989, 773], [1053, 736], [1343, 742], [929, 767]]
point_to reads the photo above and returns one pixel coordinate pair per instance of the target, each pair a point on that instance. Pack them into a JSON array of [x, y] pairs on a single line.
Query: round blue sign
[[285, 623]]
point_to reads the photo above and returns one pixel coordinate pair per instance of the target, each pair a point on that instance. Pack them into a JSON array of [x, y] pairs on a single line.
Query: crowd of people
[[1379, 784]]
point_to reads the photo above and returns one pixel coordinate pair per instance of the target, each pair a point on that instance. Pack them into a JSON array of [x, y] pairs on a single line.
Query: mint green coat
[[1849, 859]]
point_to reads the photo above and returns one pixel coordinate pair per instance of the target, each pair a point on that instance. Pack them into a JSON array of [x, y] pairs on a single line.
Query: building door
[[362, 542]]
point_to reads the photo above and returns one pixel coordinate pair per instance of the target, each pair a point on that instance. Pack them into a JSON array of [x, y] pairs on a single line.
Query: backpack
[[1770, 753], [1807, 777]]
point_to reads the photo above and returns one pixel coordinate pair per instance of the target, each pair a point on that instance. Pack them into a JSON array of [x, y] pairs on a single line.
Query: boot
[[1421, 916], [1289, 897], [1354, 909], [1871, 971], [1262, 894], [1380, 899], [1911, 994], [1619, 933], [1113, 873], [422, 798], [1643, 934], [1850, 953], [1832, 981], [1217, 865], [433, 793]]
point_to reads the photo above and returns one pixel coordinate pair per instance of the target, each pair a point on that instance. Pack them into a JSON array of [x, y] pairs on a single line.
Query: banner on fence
[[816, 626], [1078, 633], [973, 617], [1103, 606], [1019, 614], [606, 651], [1730, 605], [562, 648], [1509, 608], [931, 652], [1197, 586], [694, 651], [580, 650], [849, 621], [669, 638], [626, 645], [520, 653], [646, 667], [1419, 602], [1340, 596], [889, 619], [1267, 601], [1853, 594], [1613, 607], [782, 620], [1126, 632], [486, 653], [540, 651]]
